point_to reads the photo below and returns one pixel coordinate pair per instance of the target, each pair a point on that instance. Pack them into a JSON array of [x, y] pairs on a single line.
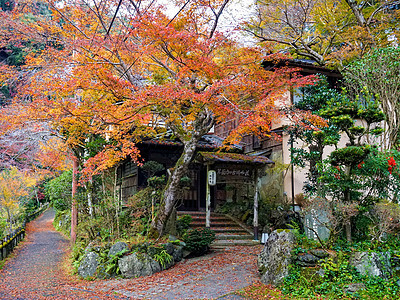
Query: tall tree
[[121, 70], [377, 75], [326, 31]]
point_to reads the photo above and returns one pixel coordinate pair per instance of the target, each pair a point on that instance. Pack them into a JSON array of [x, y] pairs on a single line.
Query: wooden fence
[[11, 241]]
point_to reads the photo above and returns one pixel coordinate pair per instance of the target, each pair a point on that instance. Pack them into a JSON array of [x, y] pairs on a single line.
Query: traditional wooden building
[[232, 169], [235, 175]]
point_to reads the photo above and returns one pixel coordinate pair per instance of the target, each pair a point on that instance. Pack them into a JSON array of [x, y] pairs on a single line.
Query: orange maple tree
[[125, 70]]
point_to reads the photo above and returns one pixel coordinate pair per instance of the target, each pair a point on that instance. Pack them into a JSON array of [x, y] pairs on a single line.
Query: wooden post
[[255, 219], [208, 200]]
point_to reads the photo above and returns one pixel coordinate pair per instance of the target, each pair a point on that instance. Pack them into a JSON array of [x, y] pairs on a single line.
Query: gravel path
[[34, 273]]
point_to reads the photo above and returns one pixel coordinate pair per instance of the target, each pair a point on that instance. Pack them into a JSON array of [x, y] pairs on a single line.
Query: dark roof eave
[[234, 158], [305, 66]]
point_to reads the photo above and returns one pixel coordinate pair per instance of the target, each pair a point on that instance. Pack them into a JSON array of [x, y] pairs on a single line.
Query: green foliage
[[58, 191], [333, 277], [3, 227], [303, 242], [152, 167], [111, 261], [371, 67], [94, 145], [62, 221], [298, 285], [139, 211], [198, 240], [31, 205], [4, 94], [77, 254], [349, 156], [183, 224], [90, 228], [157, 182], [316, 96], [156, 252], [163, 258], [185, 181]]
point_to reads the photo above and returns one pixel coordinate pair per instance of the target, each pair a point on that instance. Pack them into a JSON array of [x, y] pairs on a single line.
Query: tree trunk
[[255, 206], [37, 197], [357, 12], [74, 208], [89, 188], [116, 200], [348, 231], [172, 189], [347, 199], [190, 138]]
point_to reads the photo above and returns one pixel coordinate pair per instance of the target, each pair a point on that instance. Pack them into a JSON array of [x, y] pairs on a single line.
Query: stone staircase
[[228, 232]]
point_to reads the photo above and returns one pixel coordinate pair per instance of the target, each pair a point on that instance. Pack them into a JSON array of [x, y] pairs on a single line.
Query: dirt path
[[34, 273]]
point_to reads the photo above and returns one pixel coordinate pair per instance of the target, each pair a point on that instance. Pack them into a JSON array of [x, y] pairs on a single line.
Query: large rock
[[354, 287], [307, 260], [176, 251], [117, 247], [373, 264], [88, 265], [321, 253], [316, 223], [137, 264], [169, 247], [274, 259]]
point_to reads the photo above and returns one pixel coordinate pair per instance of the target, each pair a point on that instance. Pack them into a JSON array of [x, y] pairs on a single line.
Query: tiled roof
[[233, 158], [305, 64], [208, 141]]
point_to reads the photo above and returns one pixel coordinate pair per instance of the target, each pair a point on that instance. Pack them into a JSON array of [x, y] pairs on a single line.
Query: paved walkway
[[34, 273]]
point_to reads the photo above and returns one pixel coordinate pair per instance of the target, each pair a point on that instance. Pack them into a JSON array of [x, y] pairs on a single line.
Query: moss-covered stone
[[274, 259]]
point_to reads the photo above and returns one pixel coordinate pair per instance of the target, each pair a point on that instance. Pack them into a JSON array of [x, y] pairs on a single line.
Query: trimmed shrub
[[198, 241]]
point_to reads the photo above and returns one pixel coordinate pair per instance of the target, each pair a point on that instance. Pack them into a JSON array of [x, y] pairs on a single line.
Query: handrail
[[9, 242]]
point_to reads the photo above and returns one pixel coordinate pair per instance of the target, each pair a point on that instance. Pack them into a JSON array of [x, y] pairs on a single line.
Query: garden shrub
[[139, 210], [183, 224], [198, 240], [331, 279]]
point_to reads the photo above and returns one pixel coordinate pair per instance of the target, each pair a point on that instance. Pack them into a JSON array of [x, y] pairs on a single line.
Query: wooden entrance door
[[190, 199]]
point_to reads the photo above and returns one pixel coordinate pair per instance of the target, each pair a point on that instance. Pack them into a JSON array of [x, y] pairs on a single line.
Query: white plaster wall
[[300, 173]]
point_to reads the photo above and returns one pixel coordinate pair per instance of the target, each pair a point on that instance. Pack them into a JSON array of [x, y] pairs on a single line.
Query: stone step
[[226, 228], [227, 243], [228, 231], [197, 213], [212, 218], [233, 237], [216, 224]]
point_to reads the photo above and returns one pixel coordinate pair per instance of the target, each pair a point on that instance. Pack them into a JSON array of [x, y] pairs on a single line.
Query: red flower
[[391, 161], [360, 165]]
